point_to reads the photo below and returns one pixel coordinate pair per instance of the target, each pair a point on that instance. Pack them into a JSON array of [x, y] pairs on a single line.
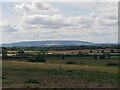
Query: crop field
[[60, 73], [83, 51]]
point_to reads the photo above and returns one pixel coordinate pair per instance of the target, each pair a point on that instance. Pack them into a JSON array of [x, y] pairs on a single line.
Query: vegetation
[[49, 75], [32, 81], [70, 62], [63, 57], [63, 67], [20, 52], [38, 59], [112, 64]]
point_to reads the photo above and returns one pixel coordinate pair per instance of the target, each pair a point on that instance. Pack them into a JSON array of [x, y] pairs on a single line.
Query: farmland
[[46, 73], [62, 69]]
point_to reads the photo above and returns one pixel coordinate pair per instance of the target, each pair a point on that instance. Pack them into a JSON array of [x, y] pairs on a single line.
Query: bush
[[112, 51], [69, 71], [82, 63], [103, 56], [95, 56], [70, 62], [108, 55], [102, 51], [38, 59], [63, 57], [32, 81], [91, 51], [20, 52], [112, 64], [4, 53]]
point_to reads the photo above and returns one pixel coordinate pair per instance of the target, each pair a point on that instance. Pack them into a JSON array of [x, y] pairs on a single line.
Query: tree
[[91, 51], [63, 57], [112, 51], [20, 52], [41, 52], [102, 51], [4, 48], [108, 55], [40, 57], [97, 51], [79, 52], [95, 56], [4, 53], [103, 56]]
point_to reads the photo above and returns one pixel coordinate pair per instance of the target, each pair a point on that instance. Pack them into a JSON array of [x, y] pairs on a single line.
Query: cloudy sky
[[84, 21]]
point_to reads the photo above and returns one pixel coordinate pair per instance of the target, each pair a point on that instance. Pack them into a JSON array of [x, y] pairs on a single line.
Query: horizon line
[[60, 40]]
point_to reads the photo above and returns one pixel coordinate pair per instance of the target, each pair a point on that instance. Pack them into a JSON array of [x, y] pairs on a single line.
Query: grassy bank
[[27, 74]]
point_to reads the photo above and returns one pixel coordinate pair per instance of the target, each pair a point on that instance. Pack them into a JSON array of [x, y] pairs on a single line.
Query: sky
[[37, 21]]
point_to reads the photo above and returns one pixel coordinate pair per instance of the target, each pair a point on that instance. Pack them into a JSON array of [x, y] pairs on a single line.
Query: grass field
[[56, 73]]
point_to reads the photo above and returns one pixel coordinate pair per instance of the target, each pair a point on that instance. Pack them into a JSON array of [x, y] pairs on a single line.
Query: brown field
[[74, 52]]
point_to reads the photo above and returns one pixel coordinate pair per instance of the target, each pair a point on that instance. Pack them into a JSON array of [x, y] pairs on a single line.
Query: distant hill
[[46, 43]]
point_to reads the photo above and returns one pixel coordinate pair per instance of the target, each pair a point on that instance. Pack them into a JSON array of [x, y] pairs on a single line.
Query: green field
[[56, 73]]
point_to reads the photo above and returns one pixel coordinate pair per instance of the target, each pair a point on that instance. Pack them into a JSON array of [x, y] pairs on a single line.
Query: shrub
[[103, 56], [38, 59], [108, 55], [102, 51], [79, 52], [69, 71], [95, 56], [20, 52], [4, 53], [112, 51], [91, 51], [32, 81], [63, 57], [3, 77], [112, 64], [70, 62], [82, 63]]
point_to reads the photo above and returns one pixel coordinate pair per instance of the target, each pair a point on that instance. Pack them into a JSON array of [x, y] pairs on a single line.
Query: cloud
[[7, 27], [98, 26], [112, 16], [23, 7], [35, 7], [108, 22], [93, 15], [57, 21]]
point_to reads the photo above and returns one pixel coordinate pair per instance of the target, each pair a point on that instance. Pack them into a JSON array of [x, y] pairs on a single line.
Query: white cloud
[[112, 16], [57, 21], [34, 7], [108, 22], [7, 27], [93, 15], [41, 5], [98, 26], [23, 7]]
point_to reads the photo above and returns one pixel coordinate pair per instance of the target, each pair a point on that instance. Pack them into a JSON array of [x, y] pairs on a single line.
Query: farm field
[[60, 73]]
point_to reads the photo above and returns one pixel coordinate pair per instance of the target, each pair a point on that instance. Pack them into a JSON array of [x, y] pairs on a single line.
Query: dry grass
[[29, 65], [21, 74]]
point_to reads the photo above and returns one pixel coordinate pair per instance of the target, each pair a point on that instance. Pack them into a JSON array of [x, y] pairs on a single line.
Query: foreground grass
[[30, 65], [89, 61], [28, 74]]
